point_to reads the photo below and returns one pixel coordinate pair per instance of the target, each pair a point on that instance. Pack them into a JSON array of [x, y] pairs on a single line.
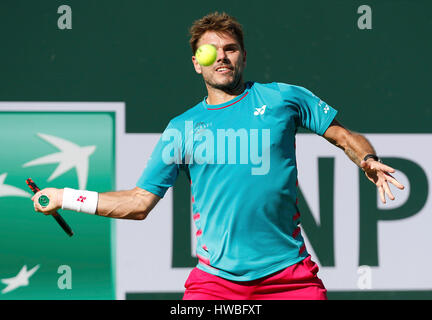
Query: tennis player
[[237, 146]]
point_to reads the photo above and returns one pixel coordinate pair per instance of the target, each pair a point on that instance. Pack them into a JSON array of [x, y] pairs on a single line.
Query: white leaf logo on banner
[[20, 280], [71, 155], [11, 191]]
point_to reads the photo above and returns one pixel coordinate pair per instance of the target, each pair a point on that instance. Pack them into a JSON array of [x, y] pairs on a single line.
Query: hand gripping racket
[[56, 215]]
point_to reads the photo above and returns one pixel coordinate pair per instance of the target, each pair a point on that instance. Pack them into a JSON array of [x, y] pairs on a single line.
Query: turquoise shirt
[[240, 158]]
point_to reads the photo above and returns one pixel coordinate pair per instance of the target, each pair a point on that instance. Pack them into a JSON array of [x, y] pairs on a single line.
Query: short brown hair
[[219, 22]]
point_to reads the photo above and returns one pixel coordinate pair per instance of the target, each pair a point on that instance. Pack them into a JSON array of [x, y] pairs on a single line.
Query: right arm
[[130, 204], [159, 174]]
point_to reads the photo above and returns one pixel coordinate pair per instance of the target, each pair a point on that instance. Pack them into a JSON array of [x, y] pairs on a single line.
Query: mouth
[[223, 69]]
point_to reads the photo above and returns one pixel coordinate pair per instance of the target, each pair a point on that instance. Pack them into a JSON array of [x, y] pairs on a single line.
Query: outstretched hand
[[54, 195], [379, 174]]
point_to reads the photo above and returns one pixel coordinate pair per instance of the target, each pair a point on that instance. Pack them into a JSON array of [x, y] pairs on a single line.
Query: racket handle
[[63, 224]]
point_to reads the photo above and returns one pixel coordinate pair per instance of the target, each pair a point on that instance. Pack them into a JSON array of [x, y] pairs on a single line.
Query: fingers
[[379, 174], [376, 165], [382, 194], [381, 179], [393, 181], [38, 207], [384, 188], [385, 168], [36, 196], [34, 199], [388, 191]]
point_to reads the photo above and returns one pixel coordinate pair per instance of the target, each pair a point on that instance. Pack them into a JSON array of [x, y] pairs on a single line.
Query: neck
[[219, 96]]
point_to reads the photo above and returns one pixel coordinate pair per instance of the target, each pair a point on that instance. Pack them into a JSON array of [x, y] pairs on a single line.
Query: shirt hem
[[155, 191], [252, 275]]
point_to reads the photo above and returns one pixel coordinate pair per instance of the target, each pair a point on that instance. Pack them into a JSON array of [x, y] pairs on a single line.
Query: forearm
[[356, 147], [131, 204]]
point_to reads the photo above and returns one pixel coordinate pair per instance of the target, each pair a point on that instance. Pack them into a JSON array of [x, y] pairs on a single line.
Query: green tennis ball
[[206, 54]]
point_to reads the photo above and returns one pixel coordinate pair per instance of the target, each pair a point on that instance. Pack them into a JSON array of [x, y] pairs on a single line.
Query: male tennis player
[[238, 148]]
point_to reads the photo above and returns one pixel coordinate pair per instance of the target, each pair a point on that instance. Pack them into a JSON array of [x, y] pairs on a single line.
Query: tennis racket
[[56, 215]]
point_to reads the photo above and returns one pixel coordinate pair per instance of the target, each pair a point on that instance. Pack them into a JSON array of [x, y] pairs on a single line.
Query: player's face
[[227, 72]]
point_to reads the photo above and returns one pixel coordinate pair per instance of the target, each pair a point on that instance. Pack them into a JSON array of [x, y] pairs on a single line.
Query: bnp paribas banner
[[55, 148], [364, 249]]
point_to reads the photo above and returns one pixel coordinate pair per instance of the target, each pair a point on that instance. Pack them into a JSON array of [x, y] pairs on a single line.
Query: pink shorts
[[297, 282]]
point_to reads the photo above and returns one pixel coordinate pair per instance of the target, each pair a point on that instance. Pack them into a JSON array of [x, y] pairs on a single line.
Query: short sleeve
[[163, 166], [314, 114]]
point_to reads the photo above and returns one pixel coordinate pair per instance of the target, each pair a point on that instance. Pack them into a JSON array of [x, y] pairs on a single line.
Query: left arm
[[356, 147]]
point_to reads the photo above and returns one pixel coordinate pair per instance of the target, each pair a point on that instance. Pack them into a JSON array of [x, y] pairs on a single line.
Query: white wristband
[[80, 200]]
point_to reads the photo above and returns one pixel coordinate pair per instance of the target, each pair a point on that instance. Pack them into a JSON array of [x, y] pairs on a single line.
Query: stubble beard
[[233, 87]]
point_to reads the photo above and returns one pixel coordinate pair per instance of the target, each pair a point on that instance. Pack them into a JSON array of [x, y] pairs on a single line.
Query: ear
[[197, 66], [244, 58]]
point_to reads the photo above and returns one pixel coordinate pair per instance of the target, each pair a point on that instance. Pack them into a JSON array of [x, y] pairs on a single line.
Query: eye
[[231, 48]]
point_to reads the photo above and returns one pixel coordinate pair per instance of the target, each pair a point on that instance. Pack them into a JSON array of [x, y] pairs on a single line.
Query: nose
[[221, 55]]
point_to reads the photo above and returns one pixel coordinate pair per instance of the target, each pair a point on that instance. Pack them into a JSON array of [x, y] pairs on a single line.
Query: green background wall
[[137, 51]]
